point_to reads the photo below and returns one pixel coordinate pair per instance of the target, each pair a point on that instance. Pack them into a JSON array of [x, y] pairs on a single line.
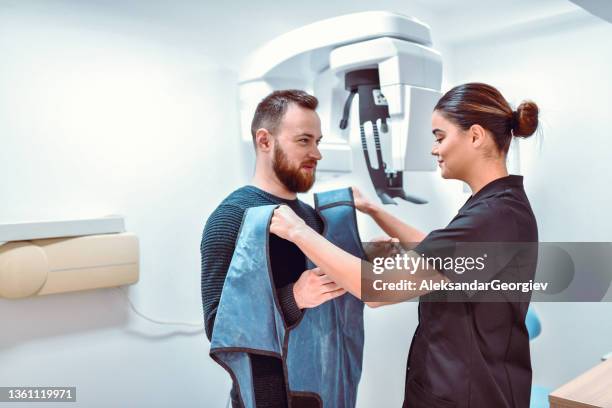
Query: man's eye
[[439, 140]]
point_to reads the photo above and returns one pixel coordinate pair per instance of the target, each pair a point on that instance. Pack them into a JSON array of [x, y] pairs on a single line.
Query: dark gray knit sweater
[[287, 263]]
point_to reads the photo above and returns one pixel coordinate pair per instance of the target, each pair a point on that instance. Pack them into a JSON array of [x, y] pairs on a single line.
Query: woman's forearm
[[342, 267], [393, 226], [345, 269]]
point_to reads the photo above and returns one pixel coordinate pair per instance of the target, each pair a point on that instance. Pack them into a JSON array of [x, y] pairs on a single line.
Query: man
[[286, 132]]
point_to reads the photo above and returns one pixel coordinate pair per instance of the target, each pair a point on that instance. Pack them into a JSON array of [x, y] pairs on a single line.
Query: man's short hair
[[272, 108]]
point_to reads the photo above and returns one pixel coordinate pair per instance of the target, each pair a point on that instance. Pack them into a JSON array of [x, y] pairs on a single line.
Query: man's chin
[[304, 188], [297, 180], [305, 184]]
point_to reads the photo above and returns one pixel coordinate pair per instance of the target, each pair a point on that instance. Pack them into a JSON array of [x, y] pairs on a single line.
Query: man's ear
[[478, 135], [263, 140]]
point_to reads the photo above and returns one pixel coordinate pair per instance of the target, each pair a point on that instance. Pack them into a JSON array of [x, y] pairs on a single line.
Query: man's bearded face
[[297, 177]]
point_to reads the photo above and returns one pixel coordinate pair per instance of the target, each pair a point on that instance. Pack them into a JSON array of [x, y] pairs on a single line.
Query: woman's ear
[[478, 135], [263, 140]]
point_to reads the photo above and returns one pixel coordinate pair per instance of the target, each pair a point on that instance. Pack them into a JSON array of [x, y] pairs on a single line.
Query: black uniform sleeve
[[486, 230]]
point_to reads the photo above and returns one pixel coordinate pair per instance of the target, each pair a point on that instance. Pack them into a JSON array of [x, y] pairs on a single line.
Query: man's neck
[[268, 182]]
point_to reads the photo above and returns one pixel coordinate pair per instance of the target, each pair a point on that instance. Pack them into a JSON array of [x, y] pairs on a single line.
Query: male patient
[[286, 132]]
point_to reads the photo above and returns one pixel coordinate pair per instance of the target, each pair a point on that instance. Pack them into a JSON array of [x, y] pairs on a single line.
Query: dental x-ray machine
[[386, 60]]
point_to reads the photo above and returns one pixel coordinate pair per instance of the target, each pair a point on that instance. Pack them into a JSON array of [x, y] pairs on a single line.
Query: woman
[[469, 353]]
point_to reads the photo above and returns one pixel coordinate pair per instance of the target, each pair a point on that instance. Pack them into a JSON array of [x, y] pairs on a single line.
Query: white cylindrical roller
[[47, 266]]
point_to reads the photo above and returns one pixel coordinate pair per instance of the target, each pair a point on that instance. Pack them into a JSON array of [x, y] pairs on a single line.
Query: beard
[[293, 177]]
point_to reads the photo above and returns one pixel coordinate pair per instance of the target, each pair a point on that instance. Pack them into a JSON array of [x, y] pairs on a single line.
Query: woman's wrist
[[299, 233], [371, 209]]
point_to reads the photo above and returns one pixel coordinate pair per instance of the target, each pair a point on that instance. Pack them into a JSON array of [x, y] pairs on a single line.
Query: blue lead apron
[[322, 355]]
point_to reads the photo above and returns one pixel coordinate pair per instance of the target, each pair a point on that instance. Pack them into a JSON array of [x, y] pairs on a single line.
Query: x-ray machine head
[[383, 58]]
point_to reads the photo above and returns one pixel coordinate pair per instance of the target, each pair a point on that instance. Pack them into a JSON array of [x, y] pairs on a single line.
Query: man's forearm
[[290, 309]]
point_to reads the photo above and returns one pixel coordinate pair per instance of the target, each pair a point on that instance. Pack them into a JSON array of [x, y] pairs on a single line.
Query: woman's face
[[452, 147]]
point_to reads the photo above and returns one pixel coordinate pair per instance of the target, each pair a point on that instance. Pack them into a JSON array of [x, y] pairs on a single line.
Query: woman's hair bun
[[525, 119]]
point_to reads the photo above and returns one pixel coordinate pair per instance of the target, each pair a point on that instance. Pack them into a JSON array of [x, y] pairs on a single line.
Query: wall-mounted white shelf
[[26, 231]]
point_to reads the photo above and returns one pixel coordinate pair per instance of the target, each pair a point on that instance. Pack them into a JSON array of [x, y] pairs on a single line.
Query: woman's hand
[[382, 247], [285, 223], [362, 203]]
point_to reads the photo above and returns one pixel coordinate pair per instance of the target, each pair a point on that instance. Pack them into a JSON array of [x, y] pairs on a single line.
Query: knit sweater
[[287, 264]]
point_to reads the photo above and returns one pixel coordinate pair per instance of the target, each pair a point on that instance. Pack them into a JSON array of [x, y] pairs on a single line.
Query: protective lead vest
[[322, 354]]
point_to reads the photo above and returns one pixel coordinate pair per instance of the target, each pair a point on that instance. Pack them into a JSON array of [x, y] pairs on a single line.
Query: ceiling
[[230, 30]]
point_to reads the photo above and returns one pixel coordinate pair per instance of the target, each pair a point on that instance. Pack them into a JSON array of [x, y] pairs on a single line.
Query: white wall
[[562, 63], [95, 119]]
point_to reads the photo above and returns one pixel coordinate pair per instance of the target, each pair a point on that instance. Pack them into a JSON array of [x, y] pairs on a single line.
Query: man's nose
[[434, 150], [316, 153]]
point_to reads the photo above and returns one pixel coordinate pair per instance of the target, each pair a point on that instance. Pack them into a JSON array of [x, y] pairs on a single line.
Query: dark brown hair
[[481, 104], [270, 110]]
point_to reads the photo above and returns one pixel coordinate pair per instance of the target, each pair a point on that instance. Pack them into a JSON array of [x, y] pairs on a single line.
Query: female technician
[[469, 353]]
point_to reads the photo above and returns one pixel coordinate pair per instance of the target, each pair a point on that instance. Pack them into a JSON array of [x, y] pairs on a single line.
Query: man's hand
[[285, 222], [362, 203], [314, 288]]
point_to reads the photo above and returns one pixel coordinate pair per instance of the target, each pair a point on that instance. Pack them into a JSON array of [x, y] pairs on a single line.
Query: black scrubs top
[[476, 354]]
